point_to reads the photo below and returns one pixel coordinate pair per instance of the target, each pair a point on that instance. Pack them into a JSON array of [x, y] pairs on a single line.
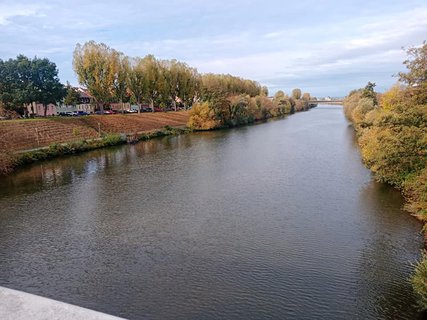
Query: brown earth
[[19, 135]]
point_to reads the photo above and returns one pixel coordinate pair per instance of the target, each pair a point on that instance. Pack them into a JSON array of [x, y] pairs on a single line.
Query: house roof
[[84, 93]]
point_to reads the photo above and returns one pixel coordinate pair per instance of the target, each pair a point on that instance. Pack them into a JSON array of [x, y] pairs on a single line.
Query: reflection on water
[[277, 220]]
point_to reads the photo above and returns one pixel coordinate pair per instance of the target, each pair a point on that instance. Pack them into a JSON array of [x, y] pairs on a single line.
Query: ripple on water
[[278, 220]]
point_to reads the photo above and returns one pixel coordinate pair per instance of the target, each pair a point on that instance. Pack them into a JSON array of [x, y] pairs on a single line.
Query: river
[[275, 220]]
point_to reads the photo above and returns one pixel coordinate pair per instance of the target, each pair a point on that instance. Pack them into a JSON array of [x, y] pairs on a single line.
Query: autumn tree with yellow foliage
[[392, 136]]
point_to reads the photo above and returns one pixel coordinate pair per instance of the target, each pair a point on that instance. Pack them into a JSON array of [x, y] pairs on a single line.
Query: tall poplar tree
[[136, 80], [94, 65]]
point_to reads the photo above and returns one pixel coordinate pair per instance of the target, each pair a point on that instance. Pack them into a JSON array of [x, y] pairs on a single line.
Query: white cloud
[[273, 46], [10, 11]]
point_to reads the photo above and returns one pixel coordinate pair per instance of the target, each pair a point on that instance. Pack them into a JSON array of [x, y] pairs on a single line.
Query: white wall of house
[[80, 107], [64, 108], [37, 110], [86, 107]]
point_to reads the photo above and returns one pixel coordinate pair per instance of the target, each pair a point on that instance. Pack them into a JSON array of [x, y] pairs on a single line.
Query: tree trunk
[[45, 109], [139, 107], [174, 104], [152, 105]]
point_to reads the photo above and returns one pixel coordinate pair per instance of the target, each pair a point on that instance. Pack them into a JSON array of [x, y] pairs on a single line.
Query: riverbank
[[26, 141], [56, 150], [392, 136]]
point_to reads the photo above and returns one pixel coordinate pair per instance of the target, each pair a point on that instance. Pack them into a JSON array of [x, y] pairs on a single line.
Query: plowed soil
[[18, 135]]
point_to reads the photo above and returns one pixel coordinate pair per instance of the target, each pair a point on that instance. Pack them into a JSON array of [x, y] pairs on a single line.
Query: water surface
[[277, 220]]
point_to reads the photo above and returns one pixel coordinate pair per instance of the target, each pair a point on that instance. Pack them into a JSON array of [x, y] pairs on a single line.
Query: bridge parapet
[[17, 305]]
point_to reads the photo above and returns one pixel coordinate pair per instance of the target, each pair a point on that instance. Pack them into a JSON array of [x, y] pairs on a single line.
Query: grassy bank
[[11, 161], [57, 150]]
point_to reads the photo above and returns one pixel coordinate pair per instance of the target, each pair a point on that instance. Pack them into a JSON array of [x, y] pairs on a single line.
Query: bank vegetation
[[392, 135], [110, 76]]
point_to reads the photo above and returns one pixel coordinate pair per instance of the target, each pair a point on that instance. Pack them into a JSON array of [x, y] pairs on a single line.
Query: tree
[[120, 65], [153, 80], [306, 96], [215, 86], [202, 117], [296, 94], [416, 77], [95, 69], [191, 87], [71, 97], [171, 72], [45, 86], [282, 101], [15, 83], [280, 98], [136, 80], [181, 82], [23, 81], [393, 98], [264, 91], [416, 65], [369, 92]]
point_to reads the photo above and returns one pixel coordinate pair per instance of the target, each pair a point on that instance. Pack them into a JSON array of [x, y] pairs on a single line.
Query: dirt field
[[18, 135]]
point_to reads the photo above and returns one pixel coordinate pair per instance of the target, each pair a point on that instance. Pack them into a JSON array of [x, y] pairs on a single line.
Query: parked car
[[82, 113], [146, 109], [66, 113], [105, 112], [125, 111]]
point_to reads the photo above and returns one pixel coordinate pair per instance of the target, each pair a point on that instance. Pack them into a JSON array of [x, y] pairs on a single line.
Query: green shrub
[[113, 139], [419, 283]]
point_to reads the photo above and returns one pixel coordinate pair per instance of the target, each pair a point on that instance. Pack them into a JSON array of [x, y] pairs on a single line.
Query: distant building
[[86, 103], [37, 110]]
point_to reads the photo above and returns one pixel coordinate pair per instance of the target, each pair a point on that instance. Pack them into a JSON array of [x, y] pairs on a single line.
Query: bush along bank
[[236, 110], [393, 143], [392, 134]]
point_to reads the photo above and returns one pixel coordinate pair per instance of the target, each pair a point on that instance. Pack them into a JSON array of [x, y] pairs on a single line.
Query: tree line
[[392, 135], [227, 109], [111, 76]]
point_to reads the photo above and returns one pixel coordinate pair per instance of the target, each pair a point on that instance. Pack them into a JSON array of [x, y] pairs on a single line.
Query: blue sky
[[322, 47]]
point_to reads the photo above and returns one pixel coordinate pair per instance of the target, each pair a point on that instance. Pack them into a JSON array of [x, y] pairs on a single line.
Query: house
[[86, 103]]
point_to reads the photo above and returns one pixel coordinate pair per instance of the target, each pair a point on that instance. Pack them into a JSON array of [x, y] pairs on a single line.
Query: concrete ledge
[[17, 305]]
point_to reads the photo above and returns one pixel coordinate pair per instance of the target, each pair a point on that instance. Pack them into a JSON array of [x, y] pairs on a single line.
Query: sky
[[326, 48]]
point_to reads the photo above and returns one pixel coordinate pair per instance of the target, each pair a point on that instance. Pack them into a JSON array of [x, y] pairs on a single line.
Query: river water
[[276, 220]]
